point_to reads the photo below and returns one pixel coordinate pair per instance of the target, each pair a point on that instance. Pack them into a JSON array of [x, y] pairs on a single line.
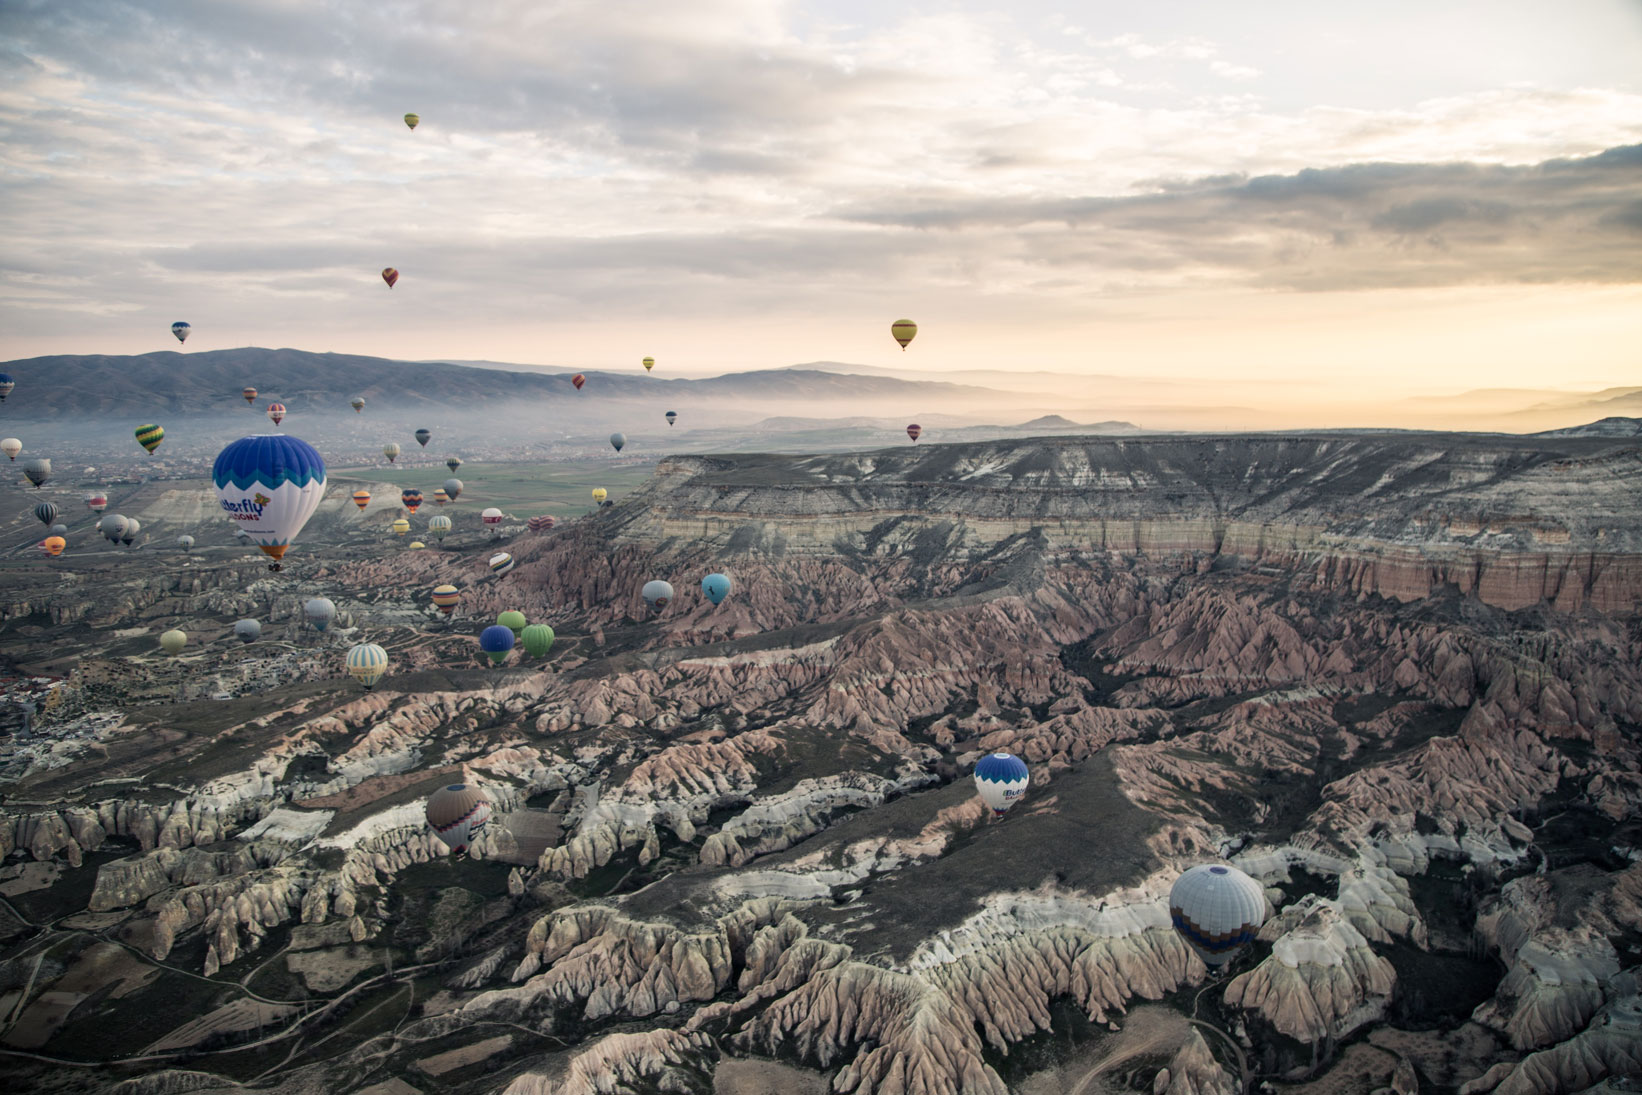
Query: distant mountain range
[[1605, 427]]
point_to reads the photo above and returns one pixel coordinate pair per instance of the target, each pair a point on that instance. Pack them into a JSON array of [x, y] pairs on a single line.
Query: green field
[[562, 489]]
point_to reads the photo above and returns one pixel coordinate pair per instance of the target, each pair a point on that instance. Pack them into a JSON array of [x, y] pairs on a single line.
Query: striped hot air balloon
[[1218, 910], [390, 275], [578, 380], [400, 527], [649, 363], [501, 563], [445, 597], [361, 498], [914, 430], [182, 330], [903, 330], [250, 395], [150, 436], [457, 814], [412, 119], [367, 664], [491, 516], [410, 499], [541, 524], [391, 451], [1001, 779], [439, 526], [538, 640], [276, 411], [440, 497]]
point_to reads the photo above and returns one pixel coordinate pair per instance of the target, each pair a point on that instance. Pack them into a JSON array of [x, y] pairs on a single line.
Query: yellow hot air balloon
[[903, 330], [649, 363], [414, 544], [412, 119], [401, 526], [599, 495], [173, 641]]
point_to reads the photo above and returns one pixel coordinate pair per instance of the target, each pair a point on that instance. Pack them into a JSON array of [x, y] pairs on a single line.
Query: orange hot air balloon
[[250, 395], [390, 275], [914, 430], [361, 498], [578, 380], [53, 545]]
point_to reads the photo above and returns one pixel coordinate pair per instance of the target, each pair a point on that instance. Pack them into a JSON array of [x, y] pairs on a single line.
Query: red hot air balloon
[[578, 380], [542, 523], [390, 275], [914, 430]]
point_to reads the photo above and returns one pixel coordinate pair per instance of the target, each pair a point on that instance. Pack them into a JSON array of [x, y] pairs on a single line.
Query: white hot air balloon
[[656, 594], [457, 814], [1001, 778], [270, 484], [1217, 910]]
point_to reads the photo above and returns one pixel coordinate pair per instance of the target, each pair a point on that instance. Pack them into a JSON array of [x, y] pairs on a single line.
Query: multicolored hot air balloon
[[6, 386], [53, 545], [496, 641], [391, 451], [11, 447], [411, 499], [617, 440], [453, 462], [445, 597], [276, 412], [367, 664], [542, 523], [173, 641], [599, 495], [37, 471], [390, 275], [320, 612], [358, 404], [412, 119], [716, 587], [656, 594], [362, 498], [457, 814], [47, 513], [439, 526], [513, 620], [578, 380], [150, 436], [1218, 910], [423, 436], [1001, 779], [538, 640], [491, 516], [250, 395], [247, 631], [96, 502], [903, 330], [400, 526], [649, 363], [182, 330], [501, 563], [452, 488], [440, 497], [671, 417], [270, 485], [914, 430]]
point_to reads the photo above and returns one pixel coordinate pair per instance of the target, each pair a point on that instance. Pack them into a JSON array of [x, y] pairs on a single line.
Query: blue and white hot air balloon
[[496, 641], [182, 330], [1001, 778], [6, 385], [1218, 910], [270, 484], [717, 587]]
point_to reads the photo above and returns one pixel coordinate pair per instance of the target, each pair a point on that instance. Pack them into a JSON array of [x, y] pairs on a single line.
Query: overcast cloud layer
[[775, 172]]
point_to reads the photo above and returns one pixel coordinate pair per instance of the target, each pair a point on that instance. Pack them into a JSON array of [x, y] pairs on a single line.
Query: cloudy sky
[[1417, 194]]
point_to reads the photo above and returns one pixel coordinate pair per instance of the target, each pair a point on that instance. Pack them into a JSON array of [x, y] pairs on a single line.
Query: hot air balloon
[[358, 404], [150, 436], [578, 380], [362, 498], [400, 526], [445, 597], [182, 330], [453, 463], [57, 530], [617, 440], [173, 641], [496, 641], [391, 451], [53, 545], [671, 416], [1218, 910], [390, 275], [37, 471], [914, 430], [423, 436], [415, 545], [96, 503], [440, 497], [903, 330], [657, 594], [538, 640], [513, 620], [250, 395], [270, 485], [501, 563], [185, 541], [453, 488], [649, 363], [276, 412], [411, 499], [367, 663], [46, 512], [247, 631], [112, 527], [11, 447], [439, 526], [716, 587], [1001, 778], [457, 815], [320, 612], [6, 385], [491, 516], [412, 119], [542, 523], [132, 527], [599, 495]]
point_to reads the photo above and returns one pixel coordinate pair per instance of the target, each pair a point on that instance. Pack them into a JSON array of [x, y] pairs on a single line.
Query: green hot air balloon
[[150, 436], [513, 620], [538, 639]]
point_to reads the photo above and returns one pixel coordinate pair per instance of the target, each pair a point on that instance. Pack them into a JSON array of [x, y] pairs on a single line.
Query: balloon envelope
[[903, 331], [453, 462], [600, 494], [46, 512], [53, 545], [185, 541], [320, 612], [538, 640], [276, 412], [391, 451], [914, 430], [390, 275], [439, 526], [247, 631], [367, 663], [491, 516], [6, 385], [649, 363], [400, 526], [513, 620], [411, 499], [182, 330], [440, 497], [657, 594], [671, 416], [132, 527], [112, 527], [716, 587], [173, 641], [11, 447], [1218, 910], [423, 437], [452, 488], [496, 641], [617, 440], [270, 485], [150, 436], [457, 814], [37, 471], [1001, 779], [541, 523], [412, 119], [361, 498], [358, 404], [578, 380], [96, 503], [501, 562], [446, 596], [250, 395]]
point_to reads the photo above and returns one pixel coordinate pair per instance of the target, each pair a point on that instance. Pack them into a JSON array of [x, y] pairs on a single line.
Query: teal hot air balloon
[[496, 641], [538, 640], [716, 587]]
